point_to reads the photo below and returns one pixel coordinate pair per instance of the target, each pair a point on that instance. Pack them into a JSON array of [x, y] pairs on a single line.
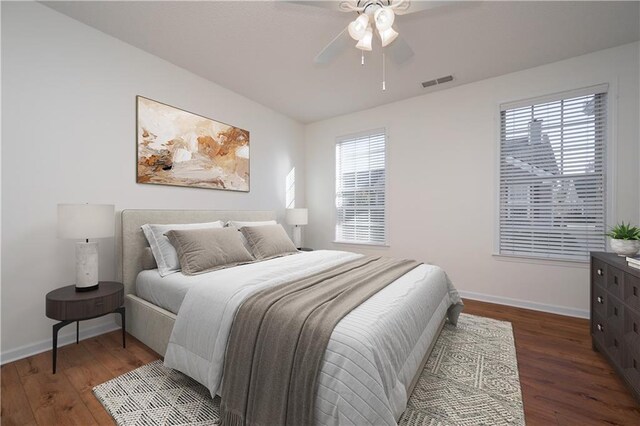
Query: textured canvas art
[[177, 147]]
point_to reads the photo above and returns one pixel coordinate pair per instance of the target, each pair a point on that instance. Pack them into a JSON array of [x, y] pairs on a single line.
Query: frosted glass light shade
[[387, 36], [358, 28], [384, 18], [82, 221], [365, 42], [296, 217]]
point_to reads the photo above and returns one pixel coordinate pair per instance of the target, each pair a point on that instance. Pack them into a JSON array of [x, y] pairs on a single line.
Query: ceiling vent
[[436, 81]]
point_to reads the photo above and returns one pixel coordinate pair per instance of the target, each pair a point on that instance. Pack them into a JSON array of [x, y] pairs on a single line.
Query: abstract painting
[[177, 147]]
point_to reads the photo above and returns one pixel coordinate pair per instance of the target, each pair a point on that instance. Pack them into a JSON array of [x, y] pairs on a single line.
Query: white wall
[[68, 136], [442, 160]]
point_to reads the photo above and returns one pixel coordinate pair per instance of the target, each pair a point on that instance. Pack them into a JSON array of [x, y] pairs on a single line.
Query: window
[[290, 189], [360, 188], [552, 176]]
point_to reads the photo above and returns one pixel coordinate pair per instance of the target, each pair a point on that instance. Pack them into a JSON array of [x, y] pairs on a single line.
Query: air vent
[[440, 80]]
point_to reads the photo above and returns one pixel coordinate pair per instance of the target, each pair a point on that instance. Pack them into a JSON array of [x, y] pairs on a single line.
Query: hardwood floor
[[563, 381]]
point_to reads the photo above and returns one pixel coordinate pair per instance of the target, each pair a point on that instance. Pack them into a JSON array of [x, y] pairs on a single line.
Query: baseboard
[[553, 309], [45, 345]]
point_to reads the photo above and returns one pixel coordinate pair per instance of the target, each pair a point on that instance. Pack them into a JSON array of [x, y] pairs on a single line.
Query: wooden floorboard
[[564, 382]]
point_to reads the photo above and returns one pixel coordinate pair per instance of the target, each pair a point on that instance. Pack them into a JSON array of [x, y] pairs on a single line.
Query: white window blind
[[360, 188], [552, 177]]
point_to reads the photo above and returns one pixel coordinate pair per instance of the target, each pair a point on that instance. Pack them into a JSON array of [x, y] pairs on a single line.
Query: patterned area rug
[[471, 378]]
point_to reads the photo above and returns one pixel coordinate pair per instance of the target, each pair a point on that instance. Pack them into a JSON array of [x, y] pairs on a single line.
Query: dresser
[[615, 315]]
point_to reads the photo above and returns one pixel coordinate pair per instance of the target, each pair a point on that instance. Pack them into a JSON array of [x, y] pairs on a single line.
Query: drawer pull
[[615, 279], [635, 291], [599, 271], [615, 311], [615, 342], [600, 327], [635, 327], [600, 299]]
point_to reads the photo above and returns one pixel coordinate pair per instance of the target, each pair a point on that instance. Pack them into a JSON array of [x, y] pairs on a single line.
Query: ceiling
[[264, 50]]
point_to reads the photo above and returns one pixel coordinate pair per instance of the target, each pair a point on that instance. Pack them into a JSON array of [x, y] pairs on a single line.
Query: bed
[[375, 353]]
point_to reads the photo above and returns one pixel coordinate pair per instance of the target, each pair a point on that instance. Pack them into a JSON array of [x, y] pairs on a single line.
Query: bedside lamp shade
[[81, 222], [296, 217]]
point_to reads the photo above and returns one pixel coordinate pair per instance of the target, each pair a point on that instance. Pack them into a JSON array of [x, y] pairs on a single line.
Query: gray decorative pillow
[[268, 241], [205, 250], [164, 253]]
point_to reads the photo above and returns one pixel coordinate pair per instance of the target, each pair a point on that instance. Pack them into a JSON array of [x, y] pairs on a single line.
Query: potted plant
[[625, 239]]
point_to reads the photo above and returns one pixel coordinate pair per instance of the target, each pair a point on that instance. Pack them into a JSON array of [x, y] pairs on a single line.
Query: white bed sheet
[[167, 292], [373, 354]]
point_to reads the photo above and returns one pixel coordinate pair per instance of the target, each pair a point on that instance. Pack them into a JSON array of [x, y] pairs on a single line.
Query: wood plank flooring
[[564, 382]]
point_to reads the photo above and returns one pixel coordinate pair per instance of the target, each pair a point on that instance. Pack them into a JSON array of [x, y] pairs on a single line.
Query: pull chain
[[384, 73], [362, 60]]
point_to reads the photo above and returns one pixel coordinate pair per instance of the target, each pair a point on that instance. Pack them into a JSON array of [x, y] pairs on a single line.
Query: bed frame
[[151, 324], [147, 322]]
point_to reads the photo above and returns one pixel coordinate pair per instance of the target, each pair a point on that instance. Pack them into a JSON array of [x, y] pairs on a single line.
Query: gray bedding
[[280, 335]]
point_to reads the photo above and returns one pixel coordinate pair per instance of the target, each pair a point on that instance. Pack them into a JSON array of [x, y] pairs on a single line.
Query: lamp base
[[91, 288], [297, 236], [86, 265]]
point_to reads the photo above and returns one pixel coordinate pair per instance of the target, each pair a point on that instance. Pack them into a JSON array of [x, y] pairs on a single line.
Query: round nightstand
[[68, 305]]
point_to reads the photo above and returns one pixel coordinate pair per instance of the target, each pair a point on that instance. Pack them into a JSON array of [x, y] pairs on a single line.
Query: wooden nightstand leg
[[121, 311], [77, 332], [54, 352]]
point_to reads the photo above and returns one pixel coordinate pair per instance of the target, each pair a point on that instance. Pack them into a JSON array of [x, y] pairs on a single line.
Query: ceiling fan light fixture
[[384, 17], [358, 28], [388, 36], [365, 42]]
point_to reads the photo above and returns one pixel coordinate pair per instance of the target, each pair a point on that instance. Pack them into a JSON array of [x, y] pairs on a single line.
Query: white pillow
[[239, 224], [164, 253]]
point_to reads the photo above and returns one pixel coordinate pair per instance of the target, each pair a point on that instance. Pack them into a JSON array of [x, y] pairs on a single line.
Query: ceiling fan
[[378, 15]]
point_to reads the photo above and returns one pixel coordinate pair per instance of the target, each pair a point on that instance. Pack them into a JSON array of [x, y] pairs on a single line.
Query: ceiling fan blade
[[333, 49], [399, 51], [332, 5], [417, 6]]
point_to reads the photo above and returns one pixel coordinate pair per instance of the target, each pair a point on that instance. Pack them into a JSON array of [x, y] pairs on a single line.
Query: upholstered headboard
[[132, 242]]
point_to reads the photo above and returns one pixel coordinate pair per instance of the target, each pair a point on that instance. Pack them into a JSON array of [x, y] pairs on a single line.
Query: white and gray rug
[[471, 378]]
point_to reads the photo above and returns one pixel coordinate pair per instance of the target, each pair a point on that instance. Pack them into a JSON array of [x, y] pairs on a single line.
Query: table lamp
[[297, 217], [81, 222]]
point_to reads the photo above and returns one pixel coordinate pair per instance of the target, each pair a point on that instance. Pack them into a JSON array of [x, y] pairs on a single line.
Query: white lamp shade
[[365, 42], [296, 216], [82, 221], [384, 18], [358, 28], [387, 36]]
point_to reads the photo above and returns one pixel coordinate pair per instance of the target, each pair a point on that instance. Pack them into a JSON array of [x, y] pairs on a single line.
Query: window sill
[[541, 260], [357, 243]]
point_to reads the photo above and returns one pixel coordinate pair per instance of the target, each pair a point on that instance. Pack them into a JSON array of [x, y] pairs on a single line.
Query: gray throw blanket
[[279, 337]]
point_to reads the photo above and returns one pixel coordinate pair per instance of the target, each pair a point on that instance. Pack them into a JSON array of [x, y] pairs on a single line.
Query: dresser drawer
[[615, 315], [598, 272], [613, 343], [599, 302], [632, 329], [84, 309], [630, 364], [615, 281], [632, 291]]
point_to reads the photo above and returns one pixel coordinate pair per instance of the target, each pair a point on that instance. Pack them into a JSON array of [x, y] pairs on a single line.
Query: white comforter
[[373, 354]]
